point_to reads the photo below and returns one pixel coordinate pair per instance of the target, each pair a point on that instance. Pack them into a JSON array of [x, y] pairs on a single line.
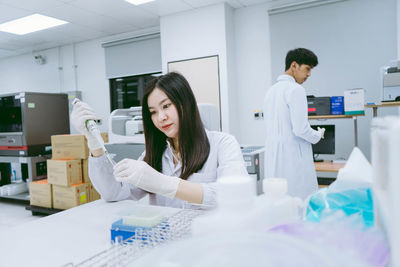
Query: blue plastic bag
[[356, 202]]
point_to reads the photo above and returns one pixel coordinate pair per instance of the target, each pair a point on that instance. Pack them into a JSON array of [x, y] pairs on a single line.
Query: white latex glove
[[81, 112], [140, 174], [321, 131]]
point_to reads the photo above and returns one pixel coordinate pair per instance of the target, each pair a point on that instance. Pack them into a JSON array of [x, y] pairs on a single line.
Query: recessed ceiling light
[[138, 2], [32, 23]]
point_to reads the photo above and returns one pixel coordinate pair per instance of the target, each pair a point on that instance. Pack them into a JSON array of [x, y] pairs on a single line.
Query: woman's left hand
[[140, 174]]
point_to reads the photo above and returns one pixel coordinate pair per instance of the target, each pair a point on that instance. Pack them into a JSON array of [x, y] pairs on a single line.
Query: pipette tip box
[[128, 225]]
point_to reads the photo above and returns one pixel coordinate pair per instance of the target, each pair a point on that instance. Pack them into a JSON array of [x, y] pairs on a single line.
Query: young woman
[[182, 160]]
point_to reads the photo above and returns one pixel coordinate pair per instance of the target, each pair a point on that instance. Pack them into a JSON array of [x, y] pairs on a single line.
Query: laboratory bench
[[327, 166], [81, 236], [381, 105], [70, 236]]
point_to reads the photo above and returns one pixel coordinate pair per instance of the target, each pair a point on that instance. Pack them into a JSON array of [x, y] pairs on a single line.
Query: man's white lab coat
[[289, 137]]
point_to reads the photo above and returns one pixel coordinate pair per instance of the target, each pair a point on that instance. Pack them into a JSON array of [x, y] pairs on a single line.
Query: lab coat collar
[[170, 157], [285, 77]]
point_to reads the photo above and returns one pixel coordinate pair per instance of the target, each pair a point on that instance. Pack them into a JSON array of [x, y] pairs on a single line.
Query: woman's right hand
[[81, 112]]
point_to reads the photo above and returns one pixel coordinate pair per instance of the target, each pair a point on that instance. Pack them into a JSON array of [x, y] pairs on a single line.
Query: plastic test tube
[[92, 127]]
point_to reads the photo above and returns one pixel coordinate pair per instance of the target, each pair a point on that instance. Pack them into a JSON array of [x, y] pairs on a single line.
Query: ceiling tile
[[201, 3], [8, 13], [162, 8], [6, 53], [5, 37], [141, 19], [44, 45], [83, 16], [234, 3], [101, 7], [255, 2], [13, 45], [69, 31], [33, 6]]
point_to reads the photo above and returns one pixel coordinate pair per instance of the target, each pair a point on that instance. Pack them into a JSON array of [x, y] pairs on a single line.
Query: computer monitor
[[326, 145]]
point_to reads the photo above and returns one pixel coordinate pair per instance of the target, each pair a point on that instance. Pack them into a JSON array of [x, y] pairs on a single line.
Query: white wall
[[234, 126], [91, 78], [253, 69], [199, 33], [21, 73]]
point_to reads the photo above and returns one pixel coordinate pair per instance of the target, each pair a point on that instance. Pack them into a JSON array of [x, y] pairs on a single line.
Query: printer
[[390, 77]]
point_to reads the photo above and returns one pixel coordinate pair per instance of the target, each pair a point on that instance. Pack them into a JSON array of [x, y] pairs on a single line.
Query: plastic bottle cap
[[275, 187]]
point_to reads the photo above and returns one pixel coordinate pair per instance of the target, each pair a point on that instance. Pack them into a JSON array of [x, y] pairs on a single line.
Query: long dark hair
[[194, 146]]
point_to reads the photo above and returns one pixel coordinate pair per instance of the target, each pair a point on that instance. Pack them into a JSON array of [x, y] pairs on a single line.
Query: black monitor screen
[[326, 145]]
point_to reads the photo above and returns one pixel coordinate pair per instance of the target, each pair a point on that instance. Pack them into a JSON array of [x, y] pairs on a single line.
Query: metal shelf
[[20, 198], [36, 210], [31, 161], [328, 117]]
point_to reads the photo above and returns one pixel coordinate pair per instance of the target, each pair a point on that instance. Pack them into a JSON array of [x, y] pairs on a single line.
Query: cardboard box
[[93, 194], [64, 172], [69, 197], [85, 171], [69, 146], [354, 101], [41, 194]]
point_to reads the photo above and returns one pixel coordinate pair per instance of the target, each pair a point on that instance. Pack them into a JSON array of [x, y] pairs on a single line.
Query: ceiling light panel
[[32, 23], [138, 2]]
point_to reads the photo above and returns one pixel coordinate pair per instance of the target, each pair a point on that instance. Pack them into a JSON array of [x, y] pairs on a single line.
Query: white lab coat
[[289, 137], [225, 159]]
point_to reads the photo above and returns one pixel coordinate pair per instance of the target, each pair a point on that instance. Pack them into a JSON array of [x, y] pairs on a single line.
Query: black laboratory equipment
[[325, 145], [318, 105], [27, 120]]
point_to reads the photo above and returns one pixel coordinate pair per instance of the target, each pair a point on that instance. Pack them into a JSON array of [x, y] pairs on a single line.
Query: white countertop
[[73, 235]]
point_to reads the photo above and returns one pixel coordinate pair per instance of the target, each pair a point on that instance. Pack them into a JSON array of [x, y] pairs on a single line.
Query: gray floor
[[12, 214]]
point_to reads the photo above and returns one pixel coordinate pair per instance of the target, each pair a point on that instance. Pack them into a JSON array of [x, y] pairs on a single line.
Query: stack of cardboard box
[[68, 184], [41, 194]]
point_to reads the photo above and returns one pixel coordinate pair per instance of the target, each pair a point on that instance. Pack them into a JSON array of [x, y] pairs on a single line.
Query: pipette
[[92, 127]]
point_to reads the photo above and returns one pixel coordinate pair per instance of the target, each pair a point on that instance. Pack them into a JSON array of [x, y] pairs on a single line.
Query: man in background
[[288, 151]]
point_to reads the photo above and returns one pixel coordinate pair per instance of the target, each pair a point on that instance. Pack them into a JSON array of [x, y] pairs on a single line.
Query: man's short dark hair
[[301, 56]]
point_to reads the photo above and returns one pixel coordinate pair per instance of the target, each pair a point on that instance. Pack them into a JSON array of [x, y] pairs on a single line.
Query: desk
[[328, 166], [383, 104], [73, 235]]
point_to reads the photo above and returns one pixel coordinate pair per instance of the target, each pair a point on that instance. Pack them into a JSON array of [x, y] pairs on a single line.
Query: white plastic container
[[235, 196], [15, 189], [275, 207]]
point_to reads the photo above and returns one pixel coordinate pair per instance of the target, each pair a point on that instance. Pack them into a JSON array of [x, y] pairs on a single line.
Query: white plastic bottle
[[275, 207], [235, 197]]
